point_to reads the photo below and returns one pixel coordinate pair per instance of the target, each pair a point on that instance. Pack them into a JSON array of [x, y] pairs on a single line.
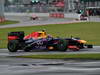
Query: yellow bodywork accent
[[42, 35], [82, 41]]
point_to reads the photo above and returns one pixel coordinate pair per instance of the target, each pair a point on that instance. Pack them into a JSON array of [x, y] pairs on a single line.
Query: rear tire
[[13, 46]]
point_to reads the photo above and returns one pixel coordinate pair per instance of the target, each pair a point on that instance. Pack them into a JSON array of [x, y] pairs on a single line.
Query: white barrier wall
[[66, 15], [72, 15], [27, 14]]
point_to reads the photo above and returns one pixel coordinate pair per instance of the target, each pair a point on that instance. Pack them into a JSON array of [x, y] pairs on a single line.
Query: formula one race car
[[43, 41], [83, 17], [34, 17]]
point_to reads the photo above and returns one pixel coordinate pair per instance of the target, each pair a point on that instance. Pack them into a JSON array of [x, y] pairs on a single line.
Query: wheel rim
[[12, 47], [62, 45]]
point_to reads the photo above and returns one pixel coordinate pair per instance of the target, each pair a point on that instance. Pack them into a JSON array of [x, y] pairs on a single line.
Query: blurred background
[[44, 6]]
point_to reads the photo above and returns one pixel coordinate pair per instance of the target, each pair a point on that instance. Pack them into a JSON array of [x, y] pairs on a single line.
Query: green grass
[[8, 22], [89, 31], [63, 56]]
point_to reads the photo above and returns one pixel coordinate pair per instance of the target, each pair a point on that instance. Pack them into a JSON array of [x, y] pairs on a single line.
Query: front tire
[[89, 46], [13, 46], [62, 45]]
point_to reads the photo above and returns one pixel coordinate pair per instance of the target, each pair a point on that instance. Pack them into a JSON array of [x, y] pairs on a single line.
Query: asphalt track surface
[[5, 52], [25, 21], [23, 66]]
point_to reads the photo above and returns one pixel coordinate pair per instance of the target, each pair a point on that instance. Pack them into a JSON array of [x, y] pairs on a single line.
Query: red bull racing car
[[42, 41]]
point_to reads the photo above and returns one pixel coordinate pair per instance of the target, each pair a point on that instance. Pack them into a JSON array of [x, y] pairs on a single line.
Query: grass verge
[[88, 31], [8, 22], [63, 56]]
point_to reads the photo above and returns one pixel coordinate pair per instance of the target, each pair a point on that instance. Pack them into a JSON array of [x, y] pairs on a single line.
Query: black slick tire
[[13, 45], [62, 45], [89, 46]]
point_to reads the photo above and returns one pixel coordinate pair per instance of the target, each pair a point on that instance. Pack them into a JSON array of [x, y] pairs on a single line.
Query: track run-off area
[[25, 66]]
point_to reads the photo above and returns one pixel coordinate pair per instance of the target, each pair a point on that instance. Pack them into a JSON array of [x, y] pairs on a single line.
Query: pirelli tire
[[62, 45], [89, 46], [13, 45]]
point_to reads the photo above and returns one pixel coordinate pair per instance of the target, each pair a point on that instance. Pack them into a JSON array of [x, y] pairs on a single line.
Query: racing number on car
[[39, 44]]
